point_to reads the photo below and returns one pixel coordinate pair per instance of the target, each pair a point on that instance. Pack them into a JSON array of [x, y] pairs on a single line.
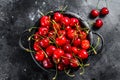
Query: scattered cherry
[[98, 23], [94, 13], [104, 11]]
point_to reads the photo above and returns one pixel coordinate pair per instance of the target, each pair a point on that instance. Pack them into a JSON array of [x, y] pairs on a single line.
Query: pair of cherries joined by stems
[[61, 41], [95, 13]]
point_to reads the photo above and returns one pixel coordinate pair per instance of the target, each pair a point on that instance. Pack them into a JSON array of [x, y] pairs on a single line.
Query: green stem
[[54, 78], [68, 73], [30, 29], [97, 4]]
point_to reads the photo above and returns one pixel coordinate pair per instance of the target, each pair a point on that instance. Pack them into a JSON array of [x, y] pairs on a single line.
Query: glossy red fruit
[[51, 34], [56, 60], [36, 36], [45, 21], [66, 21], [68, 28], [39, 56], [50, 50], [98, 23], [62, 32], [77, 42], [71, 34], [58, 53], [85, 44], [94, 13], [36, 46], [60, 41], [66, 58], [58, 16], [104, 11], [83, 35], [47, 63], [74, 21], [43, 31], [75, 50], [44, 42], [60, 66], [74, 63], [83, 54], [67, 48]]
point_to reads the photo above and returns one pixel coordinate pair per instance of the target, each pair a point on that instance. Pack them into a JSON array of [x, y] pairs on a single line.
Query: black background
[[18, 15]]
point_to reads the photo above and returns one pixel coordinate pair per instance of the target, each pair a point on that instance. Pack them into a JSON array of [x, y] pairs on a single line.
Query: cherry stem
[[93, 48], [97, 4], [68, 73], [63, 9], [41, 13], [30, 37], [30, 29], [54, 78], [48, 12], [29, 50], [106, 3], [44, 52]]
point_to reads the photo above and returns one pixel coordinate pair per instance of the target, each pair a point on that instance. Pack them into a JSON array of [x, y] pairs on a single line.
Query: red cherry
[[104, 11], [39, 56], [60, 66], [94, 13], [60, 41], [50, 49], [58, 16], [43, 31], [67, 48], [71, 34], [47, 63], [62, 32], [56, 60], [85, 44], [74, 21], [77, 42], [36, 46], [58, 53], [98, 23], [66, 58], [74, 63], [45, 21], [44, 42], [36, 36], [66, 21], [51, 34], [67, 28], [75, 50], [83, 35], [83, 54]]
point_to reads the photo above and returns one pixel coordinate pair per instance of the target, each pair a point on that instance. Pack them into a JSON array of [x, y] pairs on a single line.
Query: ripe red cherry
[[66, 58], [83, 35], [75, 50], [39, 56], [47, 63], [60, 41], [67, 48], [66, 21], [62, 32], [60, 66], [104, 11], [94, 13], [45, 21], [74, 63], [36, 36], [98, 23], [83, 54], [71, 34], [77, 42], [74, 21], [58, 53], [36, 46], [51, 34], [67, 28], [43, 31], [85, 44], [58, 16], [44, 42], [50, 49]]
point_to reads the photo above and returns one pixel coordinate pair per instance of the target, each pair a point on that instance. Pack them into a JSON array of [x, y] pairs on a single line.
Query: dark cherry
[[67, 48], [66, 58], [74, 63], [94, 13], [83, 54], [50, 50], [98, 23], [47, 63], [60, 66], [104, 11], [75, 50], [77, 42]]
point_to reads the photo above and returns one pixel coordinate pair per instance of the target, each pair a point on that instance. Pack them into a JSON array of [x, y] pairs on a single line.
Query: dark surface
[[18, 15]]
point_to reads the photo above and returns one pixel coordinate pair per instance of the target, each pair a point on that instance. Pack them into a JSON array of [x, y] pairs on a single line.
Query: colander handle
[[102, 41]]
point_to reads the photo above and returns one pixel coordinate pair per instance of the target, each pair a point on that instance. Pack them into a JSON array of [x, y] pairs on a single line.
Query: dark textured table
[[18, 15]]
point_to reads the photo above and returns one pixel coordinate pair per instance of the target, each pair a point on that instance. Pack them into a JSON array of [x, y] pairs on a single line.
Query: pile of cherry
[[61, 41]]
